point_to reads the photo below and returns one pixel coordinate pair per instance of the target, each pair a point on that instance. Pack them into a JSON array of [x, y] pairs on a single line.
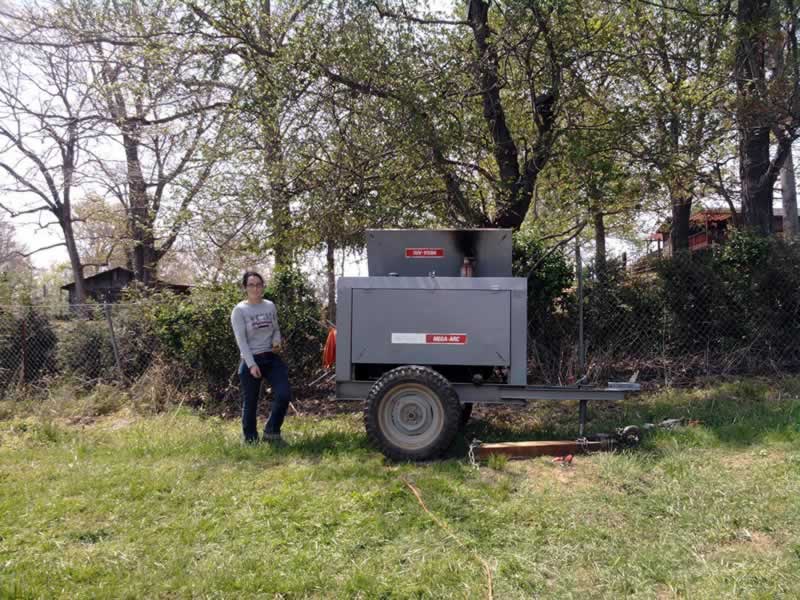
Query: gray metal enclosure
[[478, 321], [438, 326], [416, 308], [413, 252]]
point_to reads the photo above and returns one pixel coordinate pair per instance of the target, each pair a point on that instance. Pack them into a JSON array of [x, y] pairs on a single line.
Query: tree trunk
[[273, 159], [515, 189], [273, 162], [331, 272], [139, 219], [679, 233], [756, 185], [74, 261], [64, 215], [789, 195], [600, 262], [750, 73]]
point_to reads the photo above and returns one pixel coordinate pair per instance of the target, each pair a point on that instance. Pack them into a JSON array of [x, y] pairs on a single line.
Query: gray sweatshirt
[[256, 328]]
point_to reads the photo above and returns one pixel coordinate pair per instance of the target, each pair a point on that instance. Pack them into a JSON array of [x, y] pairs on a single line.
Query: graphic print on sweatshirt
[[261, 321]]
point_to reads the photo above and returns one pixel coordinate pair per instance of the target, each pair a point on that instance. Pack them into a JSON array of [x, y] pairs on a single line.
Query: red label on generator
[[424, 252], [445, 338]]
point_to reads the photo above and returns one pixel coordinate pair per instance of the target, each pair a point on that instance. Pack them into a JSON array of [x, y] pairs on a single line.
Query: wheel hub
[[411, 416]]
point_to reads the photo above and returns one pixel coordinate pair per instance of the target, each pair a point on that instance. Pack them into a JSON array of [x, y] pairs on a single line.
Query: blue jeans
[[275, 371]]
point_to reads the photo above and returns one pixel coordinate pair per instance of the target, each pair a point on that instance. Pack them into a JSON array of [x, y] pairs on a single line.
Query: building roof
[[711, 216], [109, 274], [701, 217]]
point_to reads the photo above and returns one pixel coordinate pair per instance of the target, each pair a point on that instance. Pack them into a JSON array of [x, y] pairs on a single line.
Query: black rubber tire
[[631, 436], [433, 393], [466, 412]]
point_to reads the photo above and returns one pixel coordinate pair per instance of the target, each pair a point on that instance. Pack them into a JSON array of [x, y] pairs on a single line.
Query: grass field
[[127, 505]]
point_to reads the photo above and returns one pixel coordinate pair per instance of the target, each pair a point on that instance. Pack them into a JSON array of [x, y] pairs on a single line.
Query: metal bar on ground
[[541, 448]]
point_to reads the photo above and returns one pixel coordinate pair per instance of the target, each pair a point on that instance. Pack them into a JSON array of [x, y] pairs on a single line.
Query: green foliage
[[137, 341], [10, 336], [29, 344], [549, 275], [299, 314], [550, 309], [744, 250], [621, 311], [196, 329], [734, 305], [85, 350], [40, 344]]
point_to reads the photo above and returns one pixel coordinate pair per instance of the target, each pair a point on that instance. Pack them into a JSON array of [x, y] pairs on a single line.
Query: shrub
[[299, 314], [29, 347], [732, 308], [85, 351], [137, 341], [551, 310], [196, 330]]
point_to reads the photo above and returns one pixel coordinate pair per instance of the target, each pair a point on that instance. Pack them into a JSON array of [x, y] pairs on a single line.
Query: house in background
[[107, 286], [707, 228]]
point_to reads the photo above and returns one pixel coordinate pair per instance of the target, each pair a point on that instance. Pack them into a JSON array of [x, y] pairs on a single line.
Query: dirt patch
[[120, 423], [760, 542], [80, 421], [746, 541], [541, 472], [741, 461], [664, 593]]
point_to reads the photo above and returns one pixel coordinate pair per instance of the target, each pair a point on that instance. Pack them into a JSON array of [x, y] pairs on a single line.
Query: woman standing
[[255, 325]]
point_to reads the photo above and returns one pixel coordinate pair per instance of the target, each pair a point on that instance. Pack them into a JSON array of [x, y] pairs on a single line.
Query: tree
[[268, 43], [10, 250], [789, 197], [160, 97], [672, 77], [16, 271], [100, 233], [44, 128], [767, 76], [355, 178], [441, 91]]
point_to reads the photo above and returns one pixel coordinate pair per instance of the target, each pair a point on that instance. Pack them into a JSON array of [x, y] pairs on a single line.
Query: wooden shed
[[107, 286]]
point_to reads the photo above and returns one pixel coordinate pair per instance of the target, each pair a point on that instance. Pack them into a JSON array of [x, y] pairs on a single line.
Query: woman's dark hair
[[248, 274]]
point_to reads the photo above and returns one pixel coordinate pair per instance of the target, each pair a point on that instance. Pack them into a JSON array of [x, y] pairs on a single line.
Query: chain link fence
[[115, 344], [677, 325], [674, 327]]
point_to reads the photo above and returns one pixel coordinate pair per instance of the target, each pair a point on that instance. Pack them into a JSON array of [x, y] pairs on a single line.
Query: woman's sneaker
[[273, 439]]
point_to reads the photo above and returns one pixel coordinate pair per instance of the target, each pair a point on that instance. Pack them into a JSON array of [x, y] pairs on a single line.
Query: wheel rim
[[411, 416]]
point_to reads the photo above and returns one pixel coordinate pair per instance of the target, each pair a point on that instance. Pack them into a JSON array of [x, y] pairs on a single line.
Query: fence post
[[579, 267], [664, 360], [24, 347], [107, 309]]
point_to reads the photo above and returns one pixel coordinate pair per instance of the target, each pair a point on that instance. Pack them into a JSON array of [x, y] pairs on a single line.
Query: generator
[[437, 326]]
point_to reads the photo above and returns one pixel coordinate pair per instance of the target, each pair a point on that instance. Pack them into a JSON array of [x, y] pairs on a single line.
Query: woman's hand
[[255, 371], [277, 347]]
